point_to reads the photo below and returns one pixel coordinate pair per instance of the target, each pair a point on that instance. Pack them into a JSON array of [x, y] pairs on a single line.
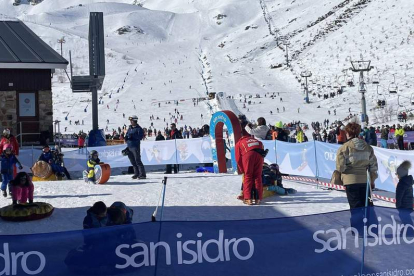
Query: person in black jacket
[[159, 137], [174, 134], [404, 191], [372, 137], [133, 138]]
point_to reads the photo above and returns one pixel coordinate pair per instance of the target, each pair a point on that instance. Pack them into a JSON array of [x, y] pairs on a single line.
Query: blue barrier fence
[[323, 245], [313, 159]]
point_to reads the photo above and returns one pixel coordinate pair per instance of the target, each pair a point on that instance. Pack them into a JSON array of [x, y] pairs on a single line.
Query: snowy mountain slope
[[177, 50]]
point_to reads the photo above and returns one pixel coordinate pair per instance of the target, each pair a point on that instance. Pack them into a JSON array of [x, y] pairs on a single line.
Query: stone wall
[[46, 111], [8, 111], [8, 116]]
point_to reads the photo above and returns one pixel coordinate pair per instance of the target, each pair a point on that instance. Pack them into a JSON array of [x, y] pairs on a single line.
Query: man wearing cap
[[133, 138]]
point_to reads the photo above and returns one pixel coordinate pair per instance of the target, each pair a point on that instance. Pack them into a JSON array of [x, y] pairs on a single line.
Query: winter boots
[[251, 201], [5, 193]]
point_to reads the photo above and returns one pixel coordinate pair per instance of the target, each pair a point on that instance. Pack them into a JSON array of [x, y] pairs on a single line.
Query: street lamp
[[306, 75], [362, 66]]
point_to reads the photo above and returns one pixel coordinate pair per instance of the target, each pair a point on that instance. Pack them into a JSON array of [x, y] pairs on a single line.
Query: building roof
[[21, 48]]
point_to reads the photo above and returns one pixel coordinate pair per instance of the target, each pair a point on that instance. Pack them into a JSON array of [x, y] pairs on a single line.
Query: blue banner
[[326, 156], [271, 155], [296, 159], [322, 245]]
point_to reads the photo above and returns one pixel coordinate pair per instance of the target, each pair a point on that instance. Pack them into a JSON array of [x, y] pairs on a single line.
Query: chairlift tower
[[94, 81], [306, 75], [286, 43], [362, 66]]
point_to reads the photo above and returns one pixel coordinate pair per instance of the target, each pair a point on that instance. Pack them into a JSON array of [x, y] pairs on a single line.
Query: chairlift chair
[[350, 81], [375, 79], [392, 88]]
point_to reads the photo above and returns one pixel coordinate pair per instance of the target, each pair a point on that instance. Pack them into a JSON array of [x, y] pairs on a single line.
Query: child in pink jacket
[[22, 188]]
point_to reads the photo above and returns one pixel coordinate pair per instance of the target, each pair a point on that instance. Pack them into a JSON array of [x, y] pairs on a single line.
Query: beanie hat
[[403, 169]]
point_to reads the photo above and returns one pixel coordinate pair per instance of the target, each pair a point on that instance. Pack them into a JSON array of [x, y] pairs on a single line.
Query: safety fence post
[[317, 168]]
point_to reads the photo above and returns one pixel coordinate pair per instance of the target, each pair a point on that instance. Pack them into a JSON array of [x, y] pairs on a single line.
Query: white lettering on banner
[[377, 233], [11, 262], [253, 144], [188, 252], [330, 156]]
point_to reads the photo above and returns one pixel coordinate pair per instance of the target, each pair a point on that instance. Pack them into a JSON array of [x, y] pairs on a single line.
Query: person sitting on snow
[[8, 159], [96, 216], [276, 176], [123, 216], [92, 161], [22, 188], [49, 157]]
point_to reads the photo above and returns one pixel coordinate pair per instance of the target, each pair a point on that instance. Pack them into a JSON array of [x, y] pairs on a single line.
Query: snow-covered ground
[[166, 51], [189, 196]]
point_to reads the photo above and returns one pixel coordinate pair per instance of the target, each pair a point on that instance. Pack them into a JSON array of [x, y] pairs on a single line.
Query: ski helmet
[[6, 132], [274, 167], [133, 118], [93, 152], [279, 124], [7, 146], [46, 147]]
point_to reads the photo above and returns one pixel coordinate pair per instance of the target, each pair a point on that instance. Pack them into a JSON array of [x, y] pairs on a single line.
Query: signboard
[[27, 104]]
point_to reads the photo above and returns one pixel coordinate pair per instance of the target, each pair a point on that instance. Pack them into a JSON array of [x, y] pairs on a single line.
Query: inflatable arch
[[218, 120]]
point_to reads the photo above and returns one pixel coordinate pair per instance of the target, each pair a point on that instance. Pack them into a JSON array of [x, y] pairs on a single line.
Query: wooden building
[[26, 67]]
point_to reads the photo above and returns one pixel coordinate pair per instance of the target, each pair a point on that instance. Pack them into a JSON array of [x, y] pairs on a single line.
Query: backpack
[[269, 135]]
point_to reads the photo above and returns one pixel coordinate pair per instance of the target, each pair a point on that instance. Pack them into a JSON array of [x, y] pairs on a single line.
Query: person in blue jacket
[[49, 157], [8, 160], [133, 138], [125, 218], [96, 216]]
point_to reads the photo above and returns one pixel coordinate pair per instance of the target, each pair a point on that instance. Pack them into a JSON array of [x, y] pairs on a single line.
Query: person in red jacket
[[8, 138], [340, 133], [81, 141], [249, 158]]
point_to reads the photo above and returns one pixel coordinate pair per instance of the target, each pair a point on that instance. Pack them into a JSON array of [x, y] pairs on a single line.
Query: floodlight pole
[[61, 41], [94, 91], [306, 75], [361, 67]]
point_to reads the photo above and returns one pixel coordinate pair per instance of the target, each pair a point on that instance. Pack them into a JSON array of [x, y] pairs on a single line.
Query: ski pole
[[154, 215], [163, 196]]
